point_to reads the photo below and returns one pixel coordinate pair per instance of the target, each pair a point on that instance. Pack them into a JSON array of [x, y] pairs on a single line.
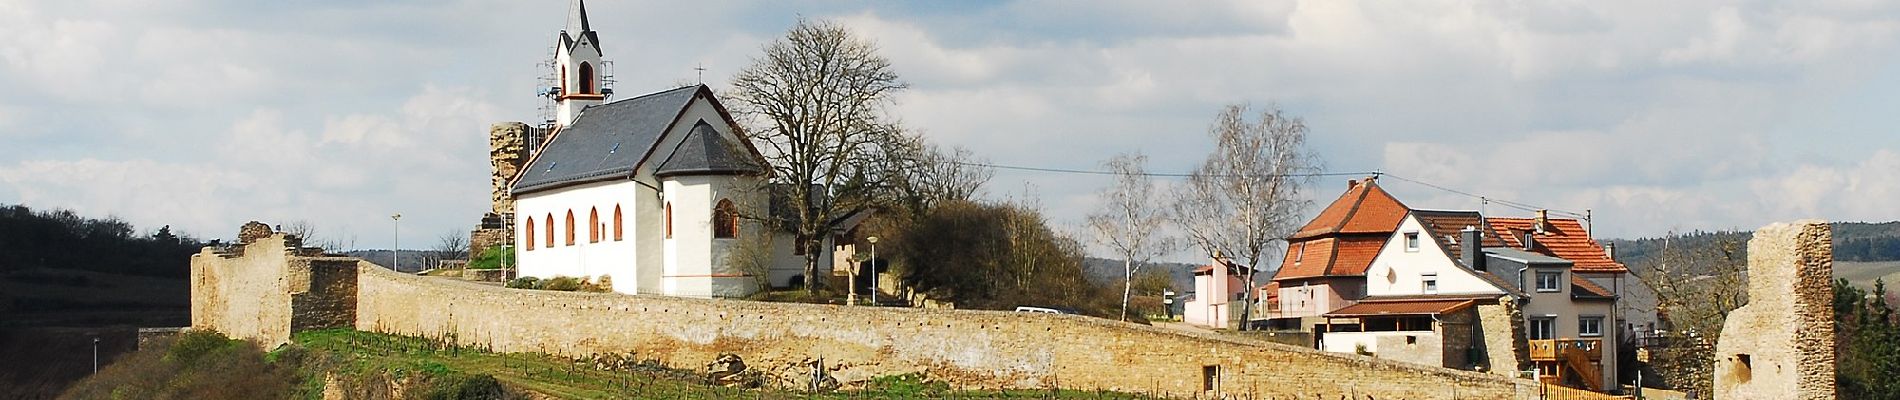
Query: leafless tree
[[1131, 220], [816, 106], [1697, 285], [914, 175], [312, 236], [452, 245], [1245, 199]]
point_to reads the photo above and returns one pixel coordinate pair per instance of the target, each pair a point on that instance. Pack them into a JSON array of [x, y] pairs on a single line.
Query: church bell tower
[[583, 79]]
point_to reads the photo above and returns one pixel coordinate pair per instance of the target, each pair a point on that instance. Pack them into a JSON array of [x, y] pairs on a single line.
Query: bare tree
[[452, 245], [312, 236], [1698, 281], [816, 103], [1245, 199], [1130, 220]]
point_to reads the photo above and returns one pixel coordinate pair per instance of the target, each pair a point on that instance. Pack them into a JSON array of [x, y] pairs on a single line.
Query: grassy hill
[[360, 365]]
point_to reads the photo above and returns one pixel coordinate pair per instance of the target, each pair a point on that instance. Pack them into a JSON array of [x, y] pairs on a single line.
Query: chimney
[[1543, 221], [1609, 250], [1471, 248], [1352, 183]]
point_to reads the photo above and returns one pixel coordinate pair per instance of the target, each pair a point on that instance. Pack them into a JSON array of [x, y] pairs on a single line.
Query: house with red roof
[[1371, 276], [1218, 293], [1325, 265]]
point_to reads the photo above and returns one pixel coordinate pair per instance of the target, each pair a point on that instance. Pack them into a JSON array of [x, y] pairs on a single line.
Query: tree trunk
[[812, 273], [1246, 308], [1128, 284]]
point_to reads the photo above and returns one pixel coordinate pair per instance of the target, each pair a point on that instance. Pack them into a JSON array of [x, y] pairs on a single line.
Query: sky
[[1656, 117]]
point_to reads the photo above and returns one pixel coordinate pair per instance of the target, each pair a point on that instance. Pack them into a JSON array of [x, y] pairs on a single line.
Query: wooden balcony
[[1554, 350]]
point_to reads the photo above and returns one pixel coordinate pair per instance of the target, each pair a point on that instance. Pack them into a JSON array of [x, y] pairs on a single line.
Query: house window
[[587, 79], [616, 222], [593, 225], [1210, 377], [1543, 328], [527, 232], [550, 220], [1590, 325], [570, 227], [1430, 283], [1300, 255], [1411, 241], [725, 220], [669, 220], [1550, 281]]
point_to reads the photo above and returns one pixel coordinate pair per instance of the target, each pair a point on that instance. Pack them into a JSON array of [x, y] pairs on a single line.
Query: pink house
[[1218, 293]]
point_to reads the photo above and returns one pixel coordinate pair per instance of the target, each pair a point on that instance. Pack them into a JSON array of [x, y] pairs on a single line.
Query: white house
[[656, 193]]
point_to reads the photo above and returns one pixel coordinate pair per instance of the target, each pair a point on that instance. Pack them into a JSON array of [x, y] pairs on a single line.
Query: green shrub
[[466, 387], [494, 258], [562, 283], [526, 282]]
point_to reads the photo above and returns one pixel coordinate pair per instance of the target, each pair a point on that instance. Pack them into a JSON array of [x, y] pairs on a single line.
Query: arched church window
[[570, 227], [550, 220], [527, 232], [593, 225], [616, 222], [563, 92], [725, 220], [669, 220], [587, 79]]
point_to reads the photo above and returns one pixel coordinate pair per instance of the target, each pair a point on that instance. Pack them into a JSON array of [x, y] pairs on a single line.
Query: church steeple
[[577, 60]]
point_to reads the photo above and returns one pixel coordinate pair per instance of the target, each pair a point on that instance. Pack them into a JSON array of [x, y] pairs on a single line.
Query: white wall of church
[[1401, 269], [584, 257], [695, 260]]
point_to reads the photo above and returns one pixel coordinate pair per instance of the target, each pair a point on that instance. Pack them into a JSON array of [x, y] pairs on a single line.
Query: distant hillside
[[1853, 241], [1863, 251], [1181, 274]]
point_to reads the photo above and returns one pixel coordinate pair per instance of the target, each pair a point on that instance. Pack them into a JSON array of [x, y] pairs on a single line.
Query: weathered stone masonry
[[267, 291], [1781, 344]]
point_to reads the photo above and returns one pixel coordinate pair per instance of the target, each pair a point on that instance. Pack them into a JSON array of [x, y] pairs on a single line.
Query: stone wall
[[1781, 344], [262, 297], [507, 152], [1503, 338]]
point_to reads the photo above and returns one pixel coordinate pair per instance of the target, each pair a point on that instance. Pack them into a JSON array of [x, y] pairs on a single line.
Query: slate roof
[[705, 151], [607, 141], [1446, 227], [1364, 208], [1562, 238], [577, 27]]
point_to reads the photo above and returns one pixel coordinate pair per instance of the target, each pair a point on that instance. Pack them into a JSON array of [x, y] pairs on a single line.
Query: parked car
[[1046, 310]]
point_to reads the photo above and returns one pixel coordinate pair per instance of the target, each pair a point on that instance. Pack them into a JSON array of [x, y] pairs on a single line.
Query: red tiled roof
[[1329, 256], [1564, 238], [1364, 208], [1402, 307], [1585, 287]]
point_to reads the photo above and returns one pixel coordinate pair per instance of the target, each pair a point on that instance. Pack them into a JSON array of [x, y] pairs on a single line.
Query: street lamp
[[873, 241], [95, 356], [395, 260]]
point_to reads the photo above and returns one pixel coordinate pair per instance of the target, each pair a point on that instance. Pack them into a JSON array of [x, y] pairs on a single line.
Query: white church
[[656, 193]]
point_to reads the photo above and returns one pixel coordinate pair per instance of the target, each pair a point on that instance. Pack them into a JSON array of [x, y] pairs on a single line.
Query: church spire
[[578, 64], [577, 18]]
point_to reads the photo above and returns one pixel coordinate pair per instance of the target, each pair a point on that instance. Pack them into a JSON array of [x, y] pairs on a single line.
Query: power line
[[1148, 174], [1486, 199]]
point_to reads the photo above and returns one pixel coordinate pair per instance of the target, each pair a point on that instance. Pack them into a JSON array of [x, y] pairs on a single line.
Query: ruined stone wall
[[507, 152], [265, 291], [264, 296], [970, 348], [1781, 344], [1502, 336]]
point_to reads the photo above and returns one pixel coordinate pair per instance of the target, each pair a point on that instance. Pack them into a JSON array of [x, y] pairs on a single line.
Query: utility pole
[[873, 241], [395, 262]]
